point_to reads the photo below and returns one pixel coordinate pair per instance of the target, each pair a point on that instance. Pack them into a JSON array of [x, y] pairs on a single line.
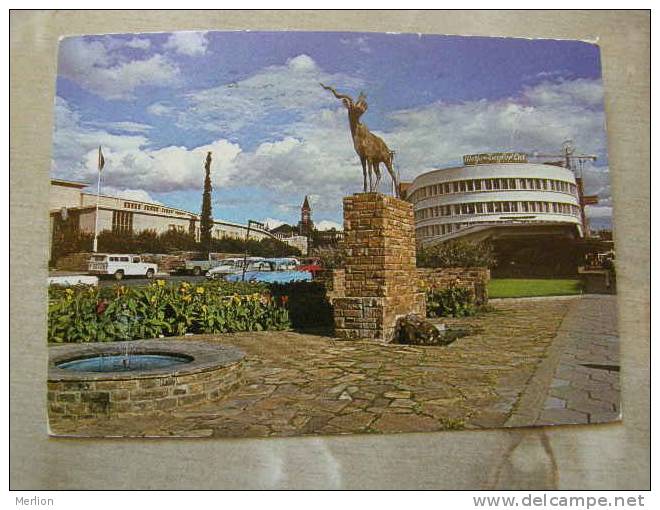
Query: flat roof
[[69, 184]]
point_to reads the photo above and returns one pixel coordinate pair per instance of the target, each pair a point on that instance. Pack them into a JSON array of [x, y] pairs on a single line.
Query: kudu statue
[[371, 149]]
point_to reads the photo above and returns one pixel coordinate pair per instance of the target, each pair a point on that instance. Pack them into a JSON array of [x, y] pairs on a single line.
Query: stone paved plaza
[[521, 365]]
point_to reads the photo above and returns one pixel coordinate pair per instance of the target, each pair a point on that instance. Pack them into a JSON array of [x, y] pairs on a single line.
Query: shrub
[[67, 242], [457, 254], [307, 303], [89, 314], [450, 302]]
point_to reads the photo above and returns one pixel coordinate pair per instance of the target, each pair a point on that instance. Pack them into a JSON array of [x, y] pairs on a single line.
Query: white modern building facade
[[500, 191]]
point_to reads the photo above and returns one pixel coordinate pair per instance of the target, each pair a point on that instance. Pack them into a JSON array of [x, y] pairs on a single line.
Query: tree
[[206, 219]]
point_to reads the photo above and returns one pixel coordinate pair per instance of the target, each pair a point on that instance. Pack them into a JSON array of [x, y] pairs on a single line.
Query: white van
[[120, 266]]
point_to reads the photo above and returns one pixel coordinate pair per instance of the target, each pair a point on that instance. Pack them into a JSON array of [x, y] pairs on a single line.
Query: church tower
[[305, 225]]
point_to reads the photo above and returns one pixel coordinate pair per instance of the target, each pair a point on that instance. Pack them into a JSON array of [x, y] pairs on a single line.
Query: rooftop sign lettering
[[494, 157]]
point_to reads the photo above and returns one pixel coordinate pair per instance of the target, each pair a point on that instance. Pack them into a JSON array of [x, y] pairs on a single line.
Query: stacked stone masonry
[[94, 398], [381, 282], [474, 278]]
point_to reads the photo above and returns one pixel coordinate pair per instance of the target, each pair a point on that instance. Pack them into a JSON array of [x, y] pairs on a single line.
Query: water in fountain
[[118, 362]]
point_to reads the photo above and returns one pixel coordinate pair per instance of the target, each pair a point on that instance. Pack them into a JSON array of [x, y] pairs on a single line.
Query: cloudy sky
[[158, 102]]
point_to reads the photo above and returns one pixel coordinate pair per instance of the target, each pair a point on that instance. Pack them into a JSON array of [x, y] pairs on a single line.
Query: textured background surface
[[615, 456]]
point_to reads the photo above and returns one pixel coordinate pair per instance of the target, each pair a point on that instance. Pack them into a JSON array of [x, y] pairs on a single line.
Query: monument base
[[382, 283], [372, 318]]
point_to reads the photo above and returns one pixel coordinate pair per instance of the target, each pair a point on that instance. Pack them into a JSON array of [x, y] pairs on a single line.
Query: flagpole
[[98, 195]]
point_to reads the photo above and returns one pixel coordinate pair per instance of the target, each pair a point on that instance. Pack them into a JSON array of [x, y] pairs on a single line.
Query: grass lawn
[[523, 287]]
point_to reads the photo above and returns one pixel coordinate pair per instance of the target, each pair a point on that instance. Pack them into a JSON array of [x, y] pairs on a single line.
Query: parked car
[[311, 264], [285, 263], [199, 267], [229, 266], [120, 266], [271, 271]]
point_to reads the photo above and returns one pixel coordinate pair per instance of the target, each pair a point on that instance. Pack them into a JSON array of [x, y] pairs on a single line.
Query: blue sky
[[158, 102]]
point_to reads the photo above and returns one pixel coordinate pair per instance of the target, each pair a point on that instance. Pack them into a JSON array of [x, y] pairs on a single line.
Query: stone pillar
[[381, 282]]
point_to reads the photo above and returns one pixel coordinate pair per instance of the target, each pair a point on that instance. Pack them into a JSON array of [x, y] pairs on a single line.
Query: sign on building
[[494, 157]]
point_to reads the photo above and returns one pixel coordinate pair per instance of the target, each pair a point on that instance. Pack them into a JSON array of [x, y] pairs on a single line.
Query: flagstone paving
[[309, 384]]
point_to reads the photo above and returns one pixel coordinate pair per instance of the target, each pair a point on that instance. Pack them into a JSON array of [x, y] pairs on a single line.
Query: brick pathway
[[585, 386], [308, 384]]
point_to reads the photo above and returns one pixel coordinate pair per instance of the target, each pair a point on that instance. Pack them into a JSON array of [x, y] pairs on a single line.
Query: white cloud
[[540, 119], [106, 73], [328, 225], [124, 126], [596, 211], [160, 109], [139, 44], [359, 43], [131, 194], [302, 64], [272, 222], [130, 163], [259, 101], [187, 43], [581, 93]]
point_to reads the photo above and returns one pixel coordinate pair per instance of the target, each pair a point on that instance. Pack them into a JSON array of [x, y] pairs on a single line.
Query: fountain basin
[[137, 377]]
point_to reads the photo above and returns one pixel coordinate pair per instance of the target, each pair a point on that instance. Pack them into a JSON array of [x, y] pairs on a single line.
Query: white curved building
[[495, 192]]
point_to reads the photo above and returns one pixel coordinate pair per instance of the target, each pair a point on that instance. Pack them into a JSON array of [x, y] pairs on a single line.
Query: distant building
[[300, 242], [284, 230], [305, 225], [326, 238], [74, 208]]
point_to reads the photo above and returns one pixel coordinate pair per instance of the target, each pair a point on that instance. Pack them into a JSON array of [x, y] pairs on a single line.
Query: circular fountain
[[106, 379]]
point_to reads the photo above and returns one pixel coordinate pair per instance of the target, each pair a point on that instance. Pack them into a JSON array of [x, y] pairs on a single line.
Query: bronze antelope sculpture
[[371, 149]]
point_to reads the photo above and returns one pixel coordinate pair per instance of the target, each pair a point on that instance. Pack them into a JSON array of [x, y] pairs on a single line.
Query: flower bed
[[89, 314]]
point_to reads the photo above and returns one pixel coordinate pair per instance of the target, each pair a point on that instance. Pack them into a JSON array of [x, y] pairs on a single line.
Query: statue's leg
[[364, 172], [370, 168], [388, 164], [377, 173]]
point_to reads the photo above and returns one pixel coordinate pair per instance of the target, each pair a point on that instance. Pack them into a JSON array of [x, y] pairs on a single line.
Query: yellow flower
[[69, 292], [161, 283], [187, 298], [199, 290]]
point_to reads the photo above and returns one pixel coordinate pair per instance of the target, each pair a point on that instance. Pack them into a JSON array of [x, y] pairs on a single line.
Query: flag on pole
[[101, 160]]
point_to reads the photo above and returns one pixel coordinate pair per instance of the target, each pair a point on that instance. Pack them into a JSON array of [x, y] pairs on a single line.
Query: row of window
[[493, 184], [153, 208], [437, 230], [496, 207]]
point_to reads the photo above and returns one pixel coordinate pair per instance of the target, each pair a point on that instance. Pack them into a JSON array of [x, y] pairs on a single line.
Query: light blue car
[[271, 271]]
